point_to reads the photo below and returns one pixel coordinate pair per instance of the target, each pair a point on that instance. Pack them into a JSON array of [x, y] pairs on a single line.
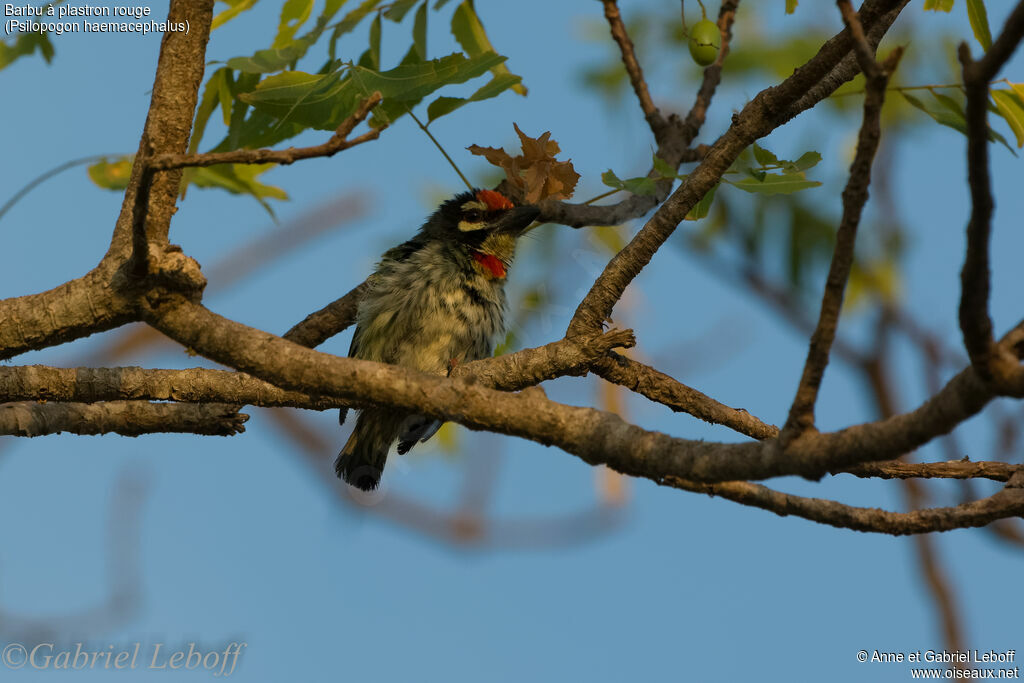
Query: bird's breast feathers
[[426, 310]]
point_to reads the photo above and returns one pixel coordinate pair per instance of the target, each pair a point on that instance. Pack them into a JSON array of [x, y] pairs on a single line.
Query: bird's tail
[[361, 461]]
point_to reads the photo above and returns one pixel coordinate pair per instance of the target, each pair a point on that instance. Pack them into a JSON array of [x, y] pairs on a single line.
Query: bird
[[432, 303]]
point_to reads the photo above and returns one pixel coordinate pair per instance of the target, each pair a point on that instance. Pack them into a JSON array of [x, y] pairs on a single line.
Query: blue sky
[[242, 541]]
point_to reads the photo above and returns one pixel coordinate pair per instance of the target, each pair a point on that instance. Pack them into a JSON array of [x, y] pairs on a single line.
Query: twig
[[338, 142], [1008, 502], [663, 389], [636, 75], [855, 195], [769, 109], [691, 126], [955, 469], [330, 320], [975, 322]]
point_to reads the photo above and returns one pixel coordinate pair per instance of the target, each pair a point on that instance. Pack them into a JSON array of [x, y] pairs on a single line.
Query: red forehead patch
[[495, 201]]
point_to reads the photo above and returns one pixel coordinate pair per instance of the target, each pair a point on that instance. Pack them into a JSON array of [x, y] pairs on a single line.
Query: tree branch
[[674, 138], [661, 388], [1008, 502], [691, 126], [330, 320], [636, 75], [104, 298], [203, 385], [338, 142], [127, 418], [769, 109], [597, 437], [954, 469], [855, 196], [975, 323]]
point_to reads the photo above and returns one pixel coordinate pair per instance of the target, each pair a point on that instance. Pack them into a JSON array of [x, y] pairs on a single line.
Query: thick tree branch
[[104, 298], [595, 436], [127, 418], [93, 303], [203, 385], [193, 385], [149, 202]]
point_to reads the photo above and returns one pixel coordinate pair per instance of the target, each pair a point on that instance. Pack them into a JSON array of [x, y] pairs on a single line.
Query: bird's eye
[[474, 215]]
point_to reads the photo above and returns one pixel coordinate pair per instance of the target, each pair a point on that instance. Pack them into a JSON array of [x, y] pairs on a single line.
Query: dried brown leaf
[[536, 173]]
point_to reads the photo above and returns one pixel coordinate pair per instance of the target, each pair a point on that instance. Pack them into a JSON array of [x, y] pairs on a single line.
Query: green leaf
[[791, 6], [640, 186], [419, 32], [23, 46], [807, 160], [951, 114], [322, 101], [398, 9], [446, 105], [294, 14], [371, 58], [469, 31], [742, 163], [209, 101], [349, 22], [111, 175], [938, 5], [235, 7], [608, 236], [979, 22], [239, 108], [774, 184], [225, 96], [1011, 108], [700, 210], [439, 4], [954, 105], [269, 61], [763, 156], [413, 82], [664, 169], [1018, 89], [947, 117], [319, 101], [237, 179], [259, 129]]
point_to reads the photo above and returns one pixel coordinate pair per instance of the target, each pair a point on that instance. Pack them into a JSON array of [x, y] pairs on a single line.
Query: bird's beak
[[515, 220]]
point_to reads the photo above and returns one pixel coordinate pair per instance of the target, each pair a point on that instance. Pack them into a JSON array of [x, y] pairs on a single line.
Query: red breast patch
[[495, 201], [492, 263]]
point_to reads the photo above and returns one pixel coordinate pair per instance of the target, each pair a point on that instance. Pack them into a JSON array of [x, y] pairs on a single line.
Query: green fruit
[[704, 42]]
